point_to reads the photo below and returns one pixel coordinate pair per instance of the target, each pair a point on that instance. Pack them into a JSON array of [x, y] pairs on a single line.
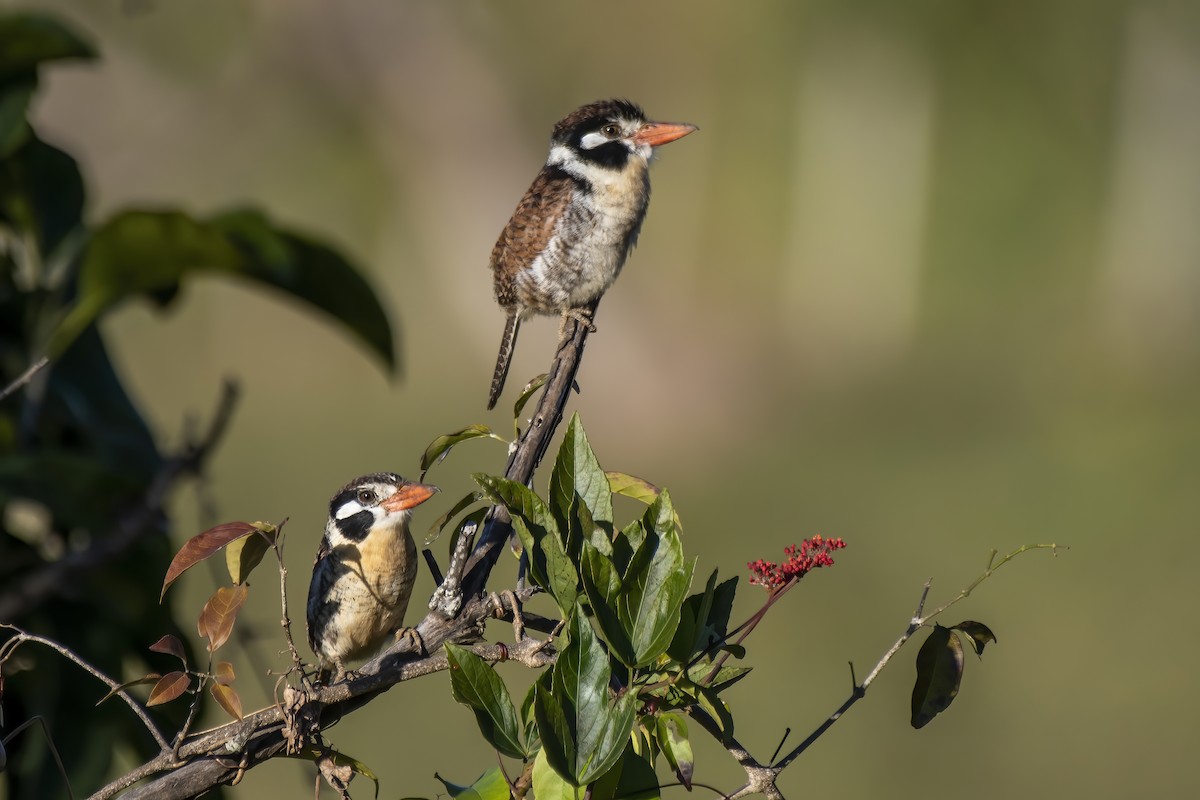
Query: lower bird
[[574, 228], [366, 564]]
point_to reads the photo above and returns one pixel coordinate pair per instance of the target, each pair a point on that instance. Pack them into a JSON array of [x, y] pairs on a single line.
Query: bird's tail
[[507, 343]]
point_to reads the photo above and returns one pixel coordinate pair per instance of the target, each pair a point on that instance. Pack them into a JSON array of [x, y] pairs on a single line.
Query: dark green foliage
[[76, 456], [625, 665]]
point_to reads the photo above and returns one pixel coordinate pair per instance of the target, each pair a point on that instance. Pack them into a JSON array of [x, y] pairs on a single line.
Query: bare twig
[[20, 636], [25, 377], [33, 589], [58, 762], [919, 619]]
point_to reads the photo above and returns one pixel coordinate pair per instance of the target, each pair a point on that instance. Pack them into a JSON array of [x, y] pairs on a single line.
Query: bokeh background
[[928, 279]]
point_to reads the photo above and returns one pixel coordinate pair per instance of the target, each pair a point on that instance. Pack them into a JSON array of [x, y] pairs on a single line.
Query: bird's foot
[[581, 315], [501, 611], [413, 638]]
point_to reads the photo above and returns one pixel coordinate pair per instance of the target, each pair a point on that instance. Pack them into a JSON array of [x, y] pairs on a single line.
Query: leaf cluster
[[83, 536], [638, 649]]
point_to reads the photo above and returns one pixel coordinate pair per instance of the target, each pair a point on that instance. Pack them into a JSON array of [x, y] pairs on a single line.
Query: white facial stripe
[[559, 155], [593, 140], [349, 509]]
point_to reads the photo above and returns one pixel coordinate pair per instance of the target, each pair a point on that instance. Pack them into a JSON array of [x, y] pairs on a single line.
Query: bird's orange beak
[[409, 496], [657, 133]]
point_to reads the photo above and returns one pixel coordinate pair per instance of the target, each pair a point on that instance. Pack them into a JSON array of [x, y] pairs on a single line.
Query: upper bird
[[363, 576], [575, 226]]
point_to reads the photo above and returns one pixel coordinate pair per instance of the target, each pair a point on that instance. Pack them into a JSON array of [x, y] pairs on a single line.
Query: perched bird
[[363, 576], [574, 228]]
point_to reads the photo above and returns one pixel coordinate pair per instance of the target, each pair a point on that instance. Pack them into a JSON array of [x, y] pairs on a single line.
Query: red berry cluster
[[810, 554]]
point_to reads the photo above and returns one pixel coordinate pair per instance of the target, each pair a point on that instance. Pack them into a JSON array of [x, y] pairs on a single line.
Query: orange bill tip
[[409, 496], [659, 133]]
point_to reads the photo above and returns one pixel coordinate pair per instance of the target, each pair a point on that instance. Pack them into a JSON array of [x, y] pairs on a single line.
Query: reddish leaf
[[200, 547], [224, 674], [152, 677], [171, 646], [227, 698], [219, 613], [169, 687]]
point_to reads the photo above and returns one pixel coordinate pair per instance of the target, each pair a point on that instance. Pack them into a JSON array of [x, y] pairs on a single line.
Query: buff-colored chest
[[371, 591]]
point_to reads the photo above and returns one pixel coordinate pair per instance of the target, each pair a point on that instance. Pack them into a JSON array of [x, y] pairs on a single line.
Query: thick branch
[[218, 756]]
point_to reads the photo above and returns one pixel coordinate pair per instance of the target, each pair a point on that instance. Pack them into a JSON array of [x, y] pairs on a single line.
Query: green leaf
[[535, 526], [653, 590], [526, 393], [637, 780], [626, 543], [313, 272], [673, 739], [725, 677], [475, 684], [556, 731], [440, 447], [14, 102], [441, 522], [491, 785], [527, 718], [28, 40], [244, 554], [602, 585], [693, 618], [613, 738], [712, 703], [636, 488], [978, 634], [151, 253], [141, 252], [581, 678], [577, 473], [660, 516], [41, 189], [939, 673], [550, 784]]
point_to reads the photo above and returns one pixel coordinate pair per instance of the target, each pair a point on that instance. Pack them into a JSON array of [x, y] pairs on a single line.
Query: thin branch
[[58, 762], [21, 636], [919, 618], [991, 568], [25, 377], [760, 778], [32, 590], [260, 735]]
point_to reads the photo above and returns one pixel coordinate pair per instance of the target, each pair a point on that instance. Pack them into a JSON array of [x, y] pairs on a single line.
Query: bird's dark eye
[[367, 497], [611, 131]]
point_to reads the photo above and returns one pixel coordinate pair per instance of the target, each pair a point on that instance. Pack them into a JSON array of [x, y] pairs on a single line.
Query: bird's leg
[[500, 611], [582, 315], [413, 638]]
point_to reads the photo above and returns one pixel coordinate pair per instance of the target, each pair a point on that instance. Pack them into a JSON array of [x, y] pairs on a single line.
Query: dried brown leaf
[[200, 547], [219, 613], [169, 687], [224, 674], [170, 645], [227, 698]]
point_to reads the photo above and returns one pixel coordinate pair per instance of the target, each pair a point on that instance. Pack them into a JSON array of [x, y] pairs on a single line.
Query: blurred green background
[[928, 279]]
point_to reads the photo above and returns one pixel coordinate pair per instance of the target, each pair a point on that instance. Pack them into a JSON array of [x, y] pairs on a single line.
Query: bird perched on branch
[[363, 576], [575, 226]]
